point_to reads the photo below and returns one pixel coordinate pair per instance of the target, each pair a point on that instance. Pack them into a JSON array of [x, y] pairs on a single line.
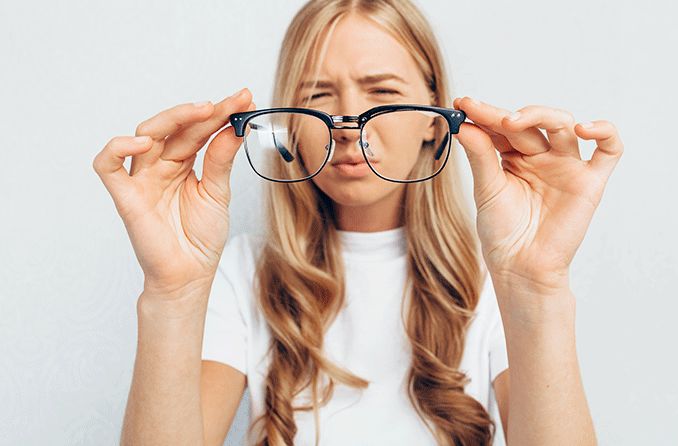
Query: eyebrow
[[365, 80]]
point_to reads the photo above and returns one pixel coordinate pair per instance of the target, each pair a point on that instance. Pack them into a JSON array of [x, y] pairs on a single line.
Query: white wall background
[[75, 74]]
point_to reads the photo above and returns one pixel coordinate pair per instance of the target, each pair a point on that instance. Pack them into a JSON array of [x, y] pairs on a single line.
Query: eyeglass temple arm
[[457, 118], [287, 156], [442, 146]]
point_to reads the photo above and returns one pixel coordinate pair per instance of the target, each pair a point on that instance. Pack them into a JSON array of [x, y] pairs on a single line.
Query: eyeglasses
[[402, 143]]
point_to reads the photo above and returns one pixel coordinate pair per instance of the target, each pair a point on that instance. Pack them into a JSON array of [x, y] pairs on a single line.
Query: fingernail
[[474, 101], [586, 124], [140, 139], [201, 104], [513, 116], [237, 93]]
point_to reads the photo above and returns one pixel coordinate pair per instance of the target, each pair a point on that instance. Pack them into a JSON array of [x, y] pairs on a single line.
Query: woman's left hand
[[535, 206]]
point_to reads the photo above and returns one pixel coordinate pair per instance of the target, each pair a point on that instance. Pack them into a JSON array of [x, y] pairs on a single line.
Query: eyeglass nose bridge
[[348, 118], [338, 119]]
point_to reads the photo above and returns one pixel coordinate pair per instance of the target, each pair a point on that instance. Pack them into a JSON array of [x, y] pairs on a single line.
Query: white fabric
[[367, 338]]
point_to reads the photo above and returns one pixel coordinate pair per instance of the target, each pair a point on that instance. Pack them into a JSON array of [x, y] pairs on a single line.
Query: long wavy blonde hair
[[300, 275]]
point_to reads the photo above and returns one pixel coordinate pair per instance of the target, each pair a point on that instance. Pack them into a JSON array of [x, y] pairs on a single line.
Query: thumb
[[218, 162], [488, 175]]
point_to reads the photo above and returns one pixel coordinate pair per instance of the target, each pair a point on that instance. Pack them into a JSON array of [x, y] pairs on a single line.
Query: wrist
[[544, 283], [175, 301], [178, 289], [533, 304]]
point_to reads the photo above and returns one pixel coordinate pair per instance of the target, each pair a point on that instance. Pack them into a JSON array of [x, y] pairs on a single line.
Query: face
[[364, 67]]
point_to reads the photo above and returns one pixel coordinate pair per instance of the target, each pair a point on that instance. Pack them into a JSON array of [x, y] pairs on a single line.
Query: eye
[[385, 91], [315, 96]]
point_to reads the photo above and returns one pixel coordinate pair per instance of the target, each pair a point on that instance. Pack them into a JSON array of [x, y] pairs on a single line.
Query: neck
[[383, 215]]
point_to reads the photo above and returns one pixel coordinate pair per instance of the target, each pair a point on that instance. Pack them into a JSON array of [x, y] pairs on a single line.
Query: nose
[[345, 137], [348, 140], [346, 132]]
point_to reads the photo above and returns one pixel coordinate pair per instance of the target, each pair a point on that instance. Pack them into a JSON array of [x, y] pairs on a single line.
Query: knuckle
[[113, 147], [568, 117], [614, 134], [536, 109], [100, 158], [113, 144], [610, 127], [96, 163], [143, 128]]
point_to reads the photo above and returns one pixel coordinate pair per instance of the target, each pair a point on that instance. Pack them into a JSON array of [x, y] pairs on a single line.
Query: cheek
[[400, 141], [312, 144]]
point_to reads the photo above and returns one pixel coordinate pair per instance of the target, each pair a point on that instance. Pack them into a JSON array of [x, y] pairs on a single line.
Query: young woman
[[364, 314]]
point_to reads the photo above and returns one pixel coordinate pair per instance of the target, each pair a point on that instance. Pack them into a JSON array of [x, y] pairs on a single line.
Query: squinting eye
[[315, 96], [384, 91]]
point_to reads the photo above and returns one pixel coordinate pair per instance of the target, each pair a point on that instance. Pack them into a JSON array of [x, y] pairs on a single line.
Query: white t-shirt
[[367, 338]]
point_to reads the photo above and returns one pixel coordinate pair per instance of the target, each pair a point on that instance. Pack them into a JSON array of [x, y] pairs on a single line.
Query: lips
[[349, 161], [352, 170], [353, 161], [349, 164]]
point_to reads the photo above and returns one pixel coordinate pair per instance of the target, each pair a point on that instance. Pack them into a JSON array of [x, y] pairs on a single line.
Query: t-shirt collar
[[380, 245]]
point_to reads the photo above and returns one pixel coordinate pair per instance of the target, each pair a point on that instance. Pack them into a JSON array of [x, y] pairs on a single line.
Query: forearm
[[547, 404], [164, 400]]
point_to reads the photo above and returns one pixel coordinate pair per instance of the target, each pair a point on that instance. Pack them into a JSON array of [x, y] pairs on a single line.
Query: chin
[[357, 193]]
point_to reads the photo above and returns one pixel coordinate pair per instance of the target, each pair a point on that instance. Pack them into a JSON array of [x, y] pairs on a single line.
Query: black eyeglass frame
[[453, 116]]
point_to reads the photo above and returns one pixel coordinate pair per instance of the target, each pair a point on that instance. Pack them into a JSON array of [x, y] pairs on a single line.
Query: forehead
[[358, 46]]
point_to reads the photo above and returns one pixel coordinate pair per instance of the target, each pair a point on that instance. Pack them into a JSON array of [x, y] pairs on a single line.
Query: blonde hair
[[300, 274]]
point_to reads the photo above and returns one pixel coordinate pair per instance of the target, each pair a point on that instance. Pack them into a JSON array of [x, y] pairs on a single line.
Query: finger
[[488, 176], [559, 126], [109, 163], [529, 141], [191, 139], [169, 121], [609, 144], [164, 124], [516, 164], [500, 142], [218, 162]]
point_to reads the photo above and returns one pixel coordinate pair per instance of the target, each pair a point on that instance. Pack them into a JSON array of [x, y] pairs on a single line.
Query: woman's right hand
[[178, 225]]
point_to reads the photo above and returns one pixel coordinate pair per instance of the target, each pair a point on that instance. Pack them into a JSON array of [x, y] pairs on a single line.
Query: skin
[[534, 208], [396, 142], [534, 204], [370, 204], [522, 203], [366, 204], [178, 227]]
